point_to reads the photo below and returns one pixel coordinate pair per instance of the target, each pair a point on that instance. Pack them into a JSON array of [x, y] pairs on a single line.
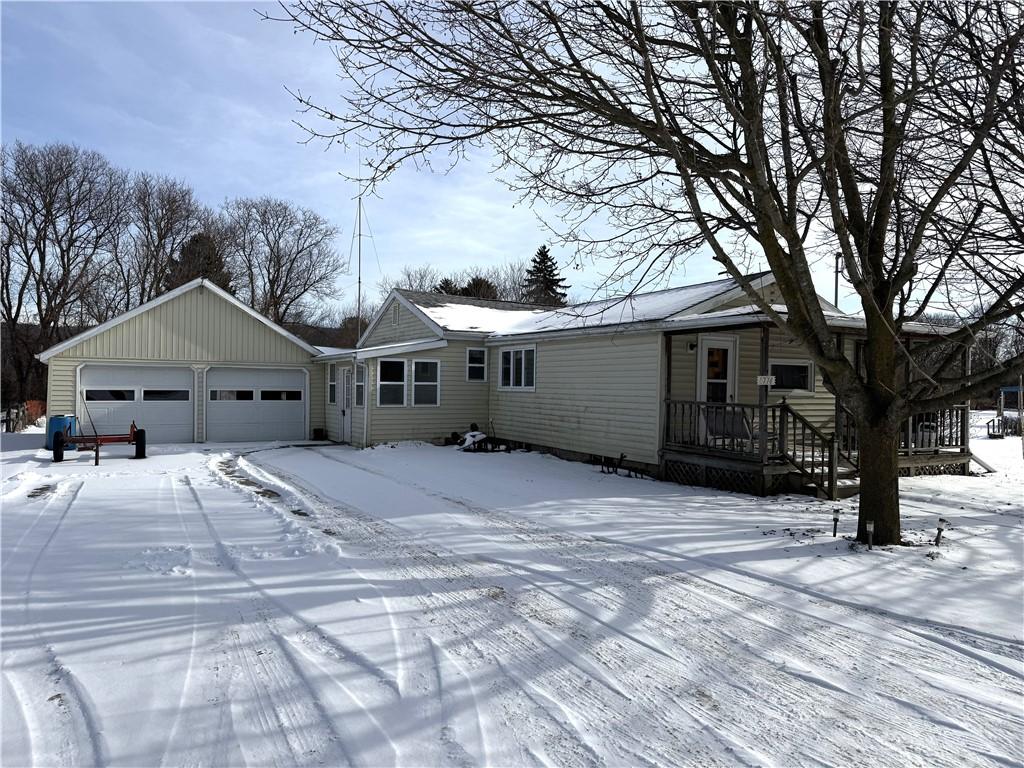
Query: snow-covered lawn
[[412, 605]]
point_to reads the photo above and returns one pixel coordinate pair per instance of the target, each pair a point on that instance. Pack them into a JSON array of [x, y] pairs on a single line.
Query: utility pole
[[839, 256]]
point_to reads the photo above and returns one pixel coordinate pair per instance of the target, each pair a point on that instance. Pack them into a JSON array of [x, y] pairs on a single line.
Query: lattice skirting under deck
[[958, 468], [725, 479]]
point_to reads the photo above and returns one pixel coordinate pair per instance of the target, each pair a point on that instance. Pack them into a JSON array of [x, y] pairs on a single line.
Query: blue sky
[[197, 91]]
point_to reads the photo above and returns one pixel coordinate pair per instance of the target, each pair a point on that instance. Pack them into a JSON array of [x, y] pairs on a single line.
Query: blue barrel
[[58, 424]]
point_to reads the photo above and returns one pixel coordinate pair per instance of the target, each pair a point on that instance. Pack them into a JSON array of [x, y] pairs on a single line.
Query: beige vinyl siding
[[595, 395], [409, 328], [197, 326], [683, 384], [462, 402], [60, 386], [317, 397]]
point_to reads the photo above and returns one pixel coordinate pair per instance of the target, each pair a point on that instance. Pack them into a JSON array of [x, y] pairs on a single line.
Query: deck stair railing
[[814, 454]]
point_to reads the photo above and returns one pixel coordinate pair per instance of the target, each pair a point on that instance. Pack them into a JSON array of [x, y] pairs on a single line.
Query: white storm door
[[716, 368]]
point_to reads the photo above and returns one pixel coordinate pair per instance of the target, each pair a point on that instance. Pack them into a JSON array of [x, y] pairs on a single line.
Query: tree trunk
[[879, 480]]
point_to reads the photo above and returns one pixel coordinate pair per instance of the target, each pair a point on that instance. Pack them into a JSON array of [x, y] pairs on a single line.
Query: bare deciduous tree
[[62, 209], [423, 278], [782, 133], [283, 256]]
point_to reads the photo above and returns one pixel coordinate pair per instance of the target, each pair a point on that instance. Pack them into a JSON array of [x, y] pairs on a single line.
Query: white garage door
[[255, 404], [159, 400]]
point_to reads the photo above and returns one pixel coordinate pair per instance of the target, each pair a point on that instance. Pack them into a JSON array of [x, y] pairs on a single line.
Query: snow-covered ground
[[413, 605]]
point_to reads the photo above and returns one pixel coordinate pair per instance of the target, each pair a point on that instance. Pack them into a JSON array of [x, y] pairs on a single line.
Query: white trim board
[[179, 291], [400, 348]]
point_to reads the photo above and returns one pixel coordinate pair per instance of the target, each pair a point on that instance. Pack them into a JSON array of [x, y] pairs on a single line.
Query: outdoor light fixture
[[870, 525], [692, 346], [835, 522], [943, 522]]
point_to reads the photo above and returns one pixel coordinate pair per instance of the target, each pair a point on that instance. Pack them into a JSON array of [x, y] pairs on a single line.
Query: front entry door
[[346, 406], [716, 369]]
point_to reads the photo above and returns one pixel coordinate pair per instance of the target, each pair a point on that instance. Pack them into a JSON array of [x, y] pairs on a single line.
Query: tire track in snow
[[555, 654], [69, 732], [783, 665], [270, 622], [278, 702], [398, 679], [203, 727]]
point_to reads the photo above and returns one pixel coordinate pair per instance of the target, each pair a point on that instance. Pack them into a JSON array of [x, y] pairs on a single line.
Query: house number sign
[[766, 381]]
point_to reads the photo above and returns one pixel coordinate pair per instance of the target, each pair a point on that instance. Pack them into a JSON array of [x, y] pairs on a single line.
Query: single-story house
[[693, 383]]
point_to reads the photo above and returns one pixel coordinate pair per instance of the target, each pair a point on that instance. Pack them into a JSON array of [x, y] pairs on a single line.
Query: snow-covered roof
[[638, 308], [462, 314], [466, 314]]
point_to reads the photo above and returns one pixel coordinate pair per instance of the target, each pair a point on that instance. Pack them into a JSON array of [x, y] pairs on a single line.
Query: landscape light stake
[[835, 522], [943, 522], [870, 525]]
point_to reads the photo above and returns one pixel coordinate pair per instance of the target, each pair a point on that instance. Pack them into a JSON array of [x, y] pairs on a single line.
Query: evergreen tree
[[200, 257], [479, 287], [448, 286], [543, 284]]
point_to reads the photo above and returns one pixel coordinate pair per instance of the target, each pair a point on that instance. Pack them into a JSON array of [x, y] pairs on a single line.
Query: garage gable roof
[[164, 298]]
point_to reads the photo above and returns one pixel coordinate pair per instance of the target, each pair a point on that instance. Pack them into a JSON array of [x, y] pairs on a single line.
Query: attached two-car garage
[[193, 365]]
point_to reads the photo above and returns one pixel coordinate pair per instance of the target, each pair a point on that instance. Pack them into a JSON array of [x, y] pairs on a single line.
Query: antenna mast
[[359, 264]]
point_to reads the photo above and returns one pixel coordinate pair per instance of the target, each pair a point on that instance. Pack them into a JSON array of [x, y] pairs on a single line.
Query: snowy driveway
[[413, 606]]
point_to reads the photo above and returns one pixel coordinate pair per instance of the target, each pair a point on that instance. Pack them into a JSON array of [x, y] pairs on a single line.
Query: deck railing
[[944, 429], [732, 428]]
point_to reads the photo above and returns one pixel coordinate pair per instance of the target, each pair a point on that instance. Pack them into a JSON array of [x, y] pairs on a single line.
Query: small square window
[[476, 365]]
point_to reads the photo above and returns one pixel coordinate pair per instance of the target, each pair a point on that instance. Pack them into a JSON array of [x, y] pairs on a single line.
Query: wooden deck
[[771, 448]]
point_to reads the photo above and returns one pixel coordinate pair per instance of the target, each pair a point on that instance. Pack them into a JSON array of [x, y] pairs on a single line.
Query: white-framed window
[[390, 383], [518, 368], [394, 313], [332, 383], [476, 364], [426, 382], [792, 375], [360, 385]]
